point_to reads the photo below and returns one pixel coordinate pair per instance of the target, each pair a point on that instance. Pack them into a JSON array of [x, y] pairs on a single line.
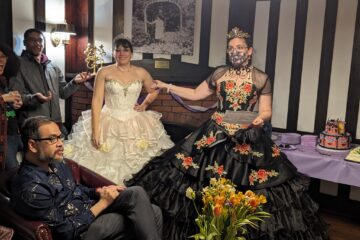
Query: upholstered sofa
[[37, 230]]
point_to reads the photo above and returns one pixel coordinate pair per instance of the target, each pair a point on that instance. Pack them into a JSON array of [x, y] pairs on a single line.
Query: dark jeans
[[13, 146], [131, 216]]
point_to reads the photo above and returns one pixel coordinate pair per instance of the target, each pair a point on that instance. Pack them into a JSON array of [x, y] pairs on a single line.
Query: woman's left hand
[[258, 122], [140, 108]]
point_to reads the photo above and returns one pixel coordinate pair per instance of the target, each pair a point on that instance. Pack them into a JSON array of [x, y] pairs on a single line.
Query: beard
[[49, 159], [238, 59]]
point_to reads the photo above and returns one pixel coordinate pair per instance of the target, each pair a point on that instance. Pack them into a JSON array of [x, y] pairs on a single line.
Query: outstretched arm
[[200, 92], [152, 93]]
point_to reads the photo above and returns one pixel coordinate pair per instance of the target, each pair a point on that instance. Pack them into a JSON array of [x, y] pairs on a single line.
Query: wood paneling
[[6, 35], [40, 15], [79, 13], [118, 17]]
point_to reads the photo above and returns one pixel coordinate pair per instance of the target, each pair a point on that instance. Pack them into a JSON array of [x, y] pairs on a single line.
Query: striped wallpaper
[[306, 46]]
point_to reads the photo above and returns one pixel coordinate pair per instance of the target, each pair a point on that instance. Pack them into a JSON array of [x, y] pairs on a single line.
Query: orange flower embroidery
[[230, 85], [220, 170], [206, 141], [210, 140], [261, 176], [216, 169], [219, 119], [275, 151], [247, 88], [244, 148], [186, 161]]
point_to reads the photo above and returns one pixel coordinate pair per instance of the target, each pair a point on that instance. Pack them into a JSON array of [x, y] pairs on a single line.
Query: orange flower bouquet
[[226, 212]]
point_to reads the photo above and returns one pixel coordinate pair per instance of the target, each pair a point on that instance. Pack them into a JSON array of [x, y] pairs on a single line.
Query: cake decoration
[[335, 136]]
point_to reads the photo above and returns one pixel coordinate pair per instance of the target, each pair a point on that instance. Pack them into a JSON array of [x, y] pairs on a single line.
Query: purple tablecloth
[[331, 168]]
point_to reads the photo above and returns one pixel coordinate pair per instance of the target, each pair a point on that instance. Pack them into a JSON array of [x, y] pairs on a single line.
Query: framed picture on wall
[[163, 26]]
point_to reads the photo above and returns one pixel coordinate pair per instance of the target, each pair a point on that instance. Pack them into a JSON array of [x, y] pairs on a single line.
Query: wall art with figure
[[163, 26]]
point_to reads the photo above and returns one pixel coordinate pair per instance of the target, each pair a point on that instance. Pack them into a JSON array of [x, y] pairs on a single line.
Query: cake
[[335, 136]]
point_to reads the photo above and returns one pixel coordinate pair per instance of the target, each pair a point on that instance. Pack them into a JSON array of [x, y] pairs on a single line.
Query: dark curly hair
[[13, 62]]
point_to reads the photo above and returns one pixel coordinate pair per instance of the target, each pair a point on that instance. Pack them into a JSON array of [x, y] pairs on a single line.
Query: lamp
[[61, 33]]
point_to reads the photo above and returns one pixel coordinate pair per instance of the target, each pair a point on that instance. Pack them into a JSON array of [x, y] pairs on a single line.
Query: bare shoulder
[[141, 72], [107, 69]]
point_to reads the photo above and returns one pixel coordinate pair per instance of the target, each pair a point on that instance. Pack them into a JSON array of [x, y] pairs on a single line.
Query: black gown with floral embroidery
[[249, 158]]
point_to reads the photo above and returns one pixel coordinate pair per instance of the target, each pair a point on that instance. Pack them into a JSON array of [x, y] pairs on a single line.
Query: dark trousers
[[13, 146], [131, 216]]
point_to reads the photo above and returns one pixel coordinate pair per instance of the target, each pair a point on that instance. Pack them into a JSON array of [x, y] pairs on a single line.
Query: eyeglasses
[[52, 139], [35, 40]]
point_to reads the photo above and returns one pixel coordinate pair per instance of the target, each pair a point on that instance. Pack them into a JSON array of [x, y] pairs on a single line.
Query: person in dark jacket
[[40, 82], [9, 102]]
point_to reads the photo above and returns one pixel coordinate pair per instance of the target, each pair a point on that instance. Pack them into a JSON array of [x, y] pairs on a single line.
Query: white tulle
[[129, 138]]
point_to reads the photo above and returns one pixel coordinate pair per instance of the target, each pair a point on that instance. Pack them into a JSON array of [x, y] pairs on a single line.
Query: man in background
[[41, 83]]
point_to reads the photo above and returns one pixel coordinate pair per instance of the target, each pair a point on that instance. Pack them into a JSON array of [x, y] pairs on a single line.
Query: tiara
[[237, 33], [123, 36]]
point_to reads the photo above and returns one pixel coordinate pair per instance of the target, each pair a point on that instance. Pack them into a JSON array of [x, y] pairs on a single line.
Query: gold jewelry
[[237, 33]]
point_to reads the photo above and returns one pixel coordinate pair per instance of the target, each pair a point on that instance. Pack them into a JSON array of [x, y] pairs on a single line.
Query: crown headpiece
[[123, 36], [237, 33]]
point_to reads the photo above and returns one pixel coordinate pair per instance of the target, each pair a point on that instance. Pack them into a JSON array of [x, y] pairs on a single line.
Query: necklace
[[241, 72]]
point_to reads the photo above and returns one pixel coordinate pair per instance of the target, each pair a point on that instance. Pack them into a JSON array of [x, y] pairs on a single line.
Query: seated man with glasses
[[44, 189]]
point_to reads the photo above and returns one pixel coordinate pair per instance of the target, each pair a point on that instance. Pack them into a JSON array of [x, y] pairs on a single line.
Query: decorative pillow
[[6, 233]]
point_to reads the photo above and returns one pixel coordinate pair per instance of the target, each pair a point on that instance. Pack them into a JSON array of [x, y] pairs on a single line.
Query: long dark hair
[[13, 62]]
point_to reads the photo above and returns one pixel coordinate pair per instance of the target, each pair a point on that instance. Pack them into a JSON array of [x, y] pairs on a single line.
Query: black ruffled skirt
[[252, 161]]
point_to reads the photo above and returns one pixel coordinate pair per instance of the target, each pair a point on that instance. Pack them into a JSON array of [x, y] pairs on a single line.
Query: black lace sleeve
[[215, 75], [262, 82]]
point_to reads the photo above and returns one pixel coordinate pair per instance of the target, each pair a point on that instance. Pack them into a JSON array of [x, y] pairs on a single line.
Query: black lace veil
[[259, 78]]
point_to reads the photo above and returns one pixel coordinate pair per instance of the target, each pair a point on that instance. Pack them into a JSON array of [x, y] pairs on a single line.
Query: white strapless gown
[[129, 138]]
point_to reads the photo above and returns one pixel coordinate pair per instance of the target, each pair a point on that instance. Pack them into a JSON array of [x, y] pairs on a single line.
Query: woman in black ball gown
[[249, 157]]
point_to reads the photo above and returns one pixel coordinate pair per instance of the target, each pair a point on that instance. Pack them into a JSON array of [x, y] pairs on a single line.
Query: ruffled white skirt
[[128, 140]]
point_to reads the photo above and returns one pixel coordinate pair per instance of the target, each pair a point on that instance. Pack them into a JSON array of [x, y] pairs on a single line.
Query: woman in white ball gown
[[116, 139]]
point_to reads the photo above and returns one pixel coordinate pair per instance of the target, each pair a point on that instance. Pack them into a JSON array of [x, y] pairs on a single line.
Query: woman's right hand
[[12, 97], [159, 84], [95, 140]]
